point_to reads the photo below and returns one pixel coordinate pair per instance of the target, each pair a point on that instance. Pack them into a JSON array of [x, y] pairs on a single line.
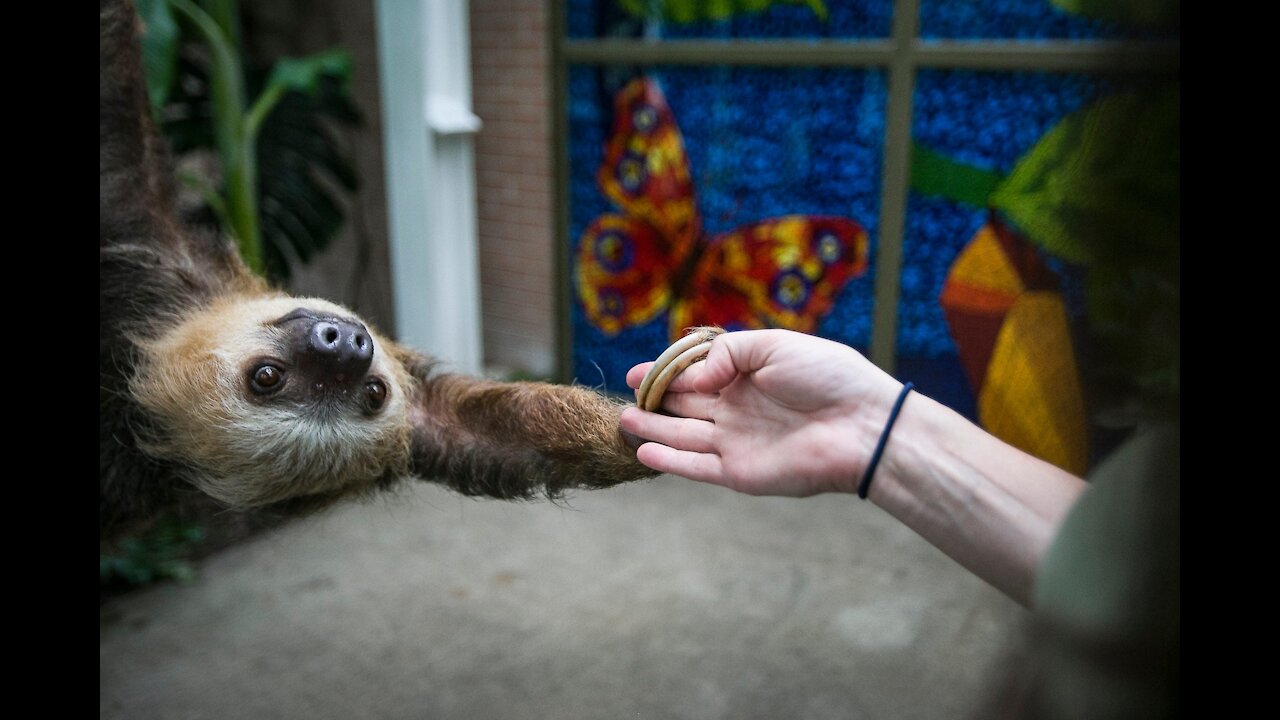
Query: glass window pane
[[743, 197]]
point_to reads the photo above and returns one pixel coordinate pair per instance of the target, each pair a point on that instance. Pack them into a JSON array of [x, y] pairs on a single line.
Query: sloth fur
[[186, 330]]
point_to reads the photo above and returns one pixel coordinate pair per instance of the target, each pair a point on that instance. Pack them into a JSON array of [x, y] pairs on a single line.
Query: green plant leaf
[[1104, 181], [1153, 13], [160, 39], [303, 74], [160, 552], [295, 144], [1102, 188], [188, 117], [296, 148], [1134, 310]]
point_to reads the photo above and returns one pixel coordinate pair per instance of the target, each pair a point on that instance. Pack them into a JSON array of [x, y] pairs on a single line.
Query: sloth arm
[[517, 440]]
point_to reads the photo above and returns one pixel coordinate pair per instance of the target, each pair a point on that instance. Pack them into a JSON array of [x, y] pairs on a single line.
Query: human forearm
[[777, 413], [987, 505]]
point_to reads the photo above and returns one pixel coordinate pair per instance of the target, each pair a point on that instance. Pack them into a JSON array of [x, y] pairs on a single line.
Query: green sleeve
[[1107, 595]]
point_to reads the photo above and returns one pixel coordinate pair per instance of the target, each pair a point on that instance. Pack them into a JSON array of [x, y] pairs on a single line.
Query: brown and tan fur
[[184, 326]]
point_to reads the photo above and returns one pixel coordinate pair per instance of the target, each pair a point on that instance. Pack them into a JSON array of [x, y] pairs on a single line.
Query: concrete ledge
[[666, 599]]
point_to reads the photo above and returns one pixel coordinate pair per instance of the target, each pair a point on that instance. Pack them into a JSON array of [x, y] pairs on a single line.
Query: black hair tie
[[884, 438]]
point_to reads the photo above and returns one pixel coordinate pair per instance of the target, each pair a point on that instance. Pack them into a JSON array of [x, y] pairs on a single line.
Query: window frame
[[901, 56]]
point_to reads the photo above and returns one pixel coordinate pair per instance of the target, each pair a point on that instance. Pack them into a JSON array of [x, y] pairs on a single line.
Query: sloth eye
[[267, 379], [376, 392]]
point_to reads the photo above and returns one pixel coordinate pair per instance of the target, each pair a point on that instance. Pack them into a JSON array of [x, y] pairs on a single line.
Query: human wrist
[[862, 426], [864, 486], [926, 434], [984, 503]]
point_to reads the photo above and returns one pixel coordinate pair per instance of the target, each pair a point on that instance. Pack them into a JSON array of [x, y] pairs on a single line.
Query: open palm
[[769, 412]]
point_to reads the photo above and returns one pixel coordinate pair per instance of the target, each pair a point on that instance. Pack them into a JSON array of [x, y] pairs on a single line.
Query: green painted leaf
[[1153, 13], [687, 11], [1103, 182], [160, 39], [938, 175]]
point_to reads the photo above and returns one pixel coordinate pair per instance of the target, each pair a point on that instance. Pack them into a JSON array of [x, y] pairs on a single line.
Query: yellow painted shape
[[1031, 398], [983, 264]]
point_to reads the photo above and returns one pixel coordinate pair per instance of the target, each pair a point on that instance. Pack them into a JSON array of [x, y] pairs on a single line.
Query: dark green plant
[[157, 554], [1102, 189], [1137, 13], [272, 148]]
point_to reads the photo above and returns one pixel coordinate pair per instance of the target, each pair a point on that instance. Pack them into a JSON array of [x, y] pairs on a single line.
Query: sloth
[[215, 385]]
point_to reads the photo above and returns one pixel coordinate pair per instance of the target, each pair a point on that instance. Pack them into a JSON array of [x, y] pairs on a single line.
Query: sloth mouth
[[330, 400], [334, 384]]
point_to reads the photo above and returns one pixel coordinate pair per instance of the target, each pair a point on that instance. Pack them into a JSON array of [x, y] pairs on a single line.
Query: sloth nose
[[341, 347]]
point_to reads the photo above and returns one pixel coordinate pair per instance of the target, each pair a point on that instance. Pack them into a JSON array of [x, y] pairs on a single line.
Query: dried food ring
[[684, 352]]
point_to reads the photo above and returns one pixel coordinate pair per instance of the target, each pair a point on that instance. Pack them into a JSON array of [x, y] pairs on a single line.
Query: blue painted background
[[952, 19], [761, 143], [767, 142], [845, 19]]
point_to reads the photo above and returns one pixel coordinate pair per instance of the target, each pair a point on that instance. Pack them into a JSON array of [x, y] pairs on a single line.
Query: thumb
[[732, 354]]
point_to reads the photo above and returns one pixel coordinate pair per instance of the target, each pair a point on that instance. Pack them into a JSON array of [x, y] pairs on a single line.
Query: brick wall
[[511, 94]]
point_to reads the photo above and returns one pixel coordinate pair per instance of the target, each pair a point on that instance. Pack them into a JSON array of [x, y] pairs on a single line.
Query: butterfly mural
[[655, 257]]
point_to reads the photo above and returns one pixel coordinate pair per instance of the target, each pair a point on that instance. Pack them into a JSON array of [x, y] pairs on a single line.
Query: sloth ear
[[134, 173]]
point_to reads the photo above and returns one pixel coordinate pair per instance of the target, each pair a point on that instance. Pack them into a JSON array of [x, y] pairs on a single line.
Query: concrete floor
[[664, 599]]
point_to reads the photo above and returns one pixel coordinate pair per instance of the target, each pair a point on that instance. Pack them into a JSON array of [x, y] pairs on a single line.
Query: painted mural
[[749, 197], [693, 201], [1023, 240], [679, 19], [655, 256]]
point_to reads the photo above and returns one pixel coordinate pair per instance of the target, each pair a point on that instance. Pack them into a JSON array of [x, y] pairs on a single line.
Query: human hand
[[769, 412]]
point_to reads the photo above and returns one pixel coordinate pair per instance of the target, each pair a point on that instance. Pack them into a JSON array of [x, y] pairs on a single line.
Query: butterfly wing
[[646, 170], [783, 272], [627, 262], [623, 272]]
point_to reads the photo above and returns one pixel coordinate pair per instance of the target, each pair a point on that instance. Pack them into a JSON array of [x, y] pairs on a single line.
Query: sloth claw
[[681, 354]]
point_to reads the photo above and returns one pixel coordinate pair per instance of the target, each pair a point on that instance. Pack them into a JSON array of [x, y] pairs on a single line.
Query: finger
[[733, 354], [703, 467], [718, 370], [636, 374], [677, 432], [689, 404]]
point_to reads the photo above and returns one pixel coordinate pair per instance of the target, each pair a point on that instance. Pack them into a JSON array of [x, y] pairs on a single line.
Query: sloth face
[[316, 360], [278, 397]]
